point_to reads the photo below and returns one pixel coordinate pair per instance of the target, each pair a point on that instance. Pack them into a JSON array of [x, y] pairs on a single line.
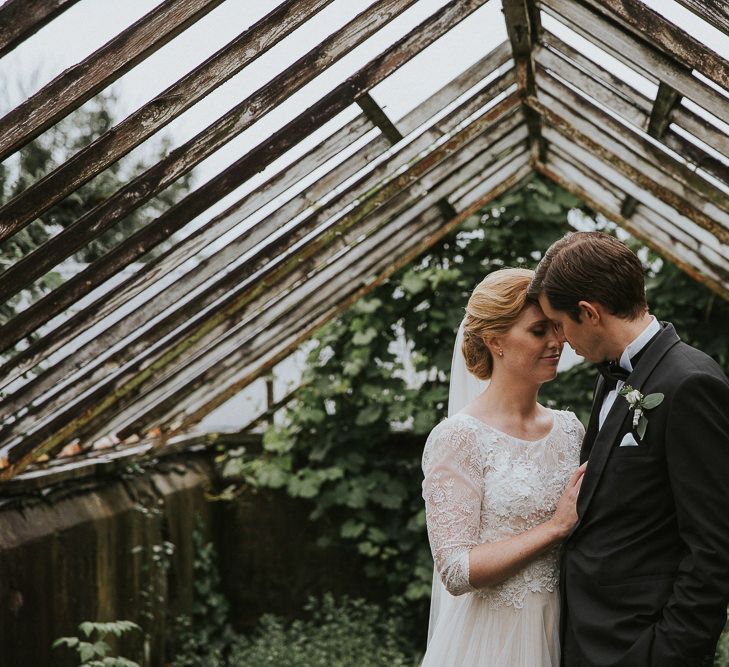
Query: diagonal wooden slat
[[715, 12], [609, 169], [583, 183], [683, 182], [118, 141], [76, 85], [185, 157], [188, 414], [225, 257], [237, 280], [123, 388], [635, 109], [650, 26], [285, 297], [19, 19], [649, 61], [140, 243]]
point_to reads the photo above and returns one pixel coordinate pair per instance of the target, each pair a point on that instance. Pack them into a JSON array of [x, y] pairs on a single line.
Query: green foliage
[[721, 659], [202, 639], [95, 651], [348, 634], [41, 156]]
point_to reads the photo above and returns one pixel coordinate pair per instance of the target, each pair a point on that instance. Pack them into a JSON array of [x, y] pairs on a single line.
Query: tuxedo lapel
[[597, 395], [607, 435]]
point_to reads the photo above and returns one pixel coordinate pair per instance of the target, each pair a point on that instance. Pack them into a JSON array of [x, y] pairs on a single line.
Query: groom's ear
[[590, 312]]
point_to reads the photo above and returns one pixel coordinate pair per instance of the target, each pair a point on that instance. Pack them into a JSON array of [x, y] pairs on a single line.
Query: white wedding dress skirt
[[471, 633]]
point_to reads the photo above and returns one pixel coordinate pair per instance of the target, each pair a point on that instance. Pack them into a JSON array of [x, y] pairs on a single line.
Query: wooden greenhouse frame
[[657, 166]]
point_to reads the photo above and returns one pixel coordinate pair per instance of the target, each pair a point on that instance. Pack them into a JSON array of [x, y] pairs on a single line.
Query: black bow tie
[[612, 372]]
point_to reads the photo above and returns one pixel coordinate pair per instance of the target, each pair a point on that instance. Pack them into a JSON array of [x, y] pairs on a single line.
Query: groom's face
[[582, 337]]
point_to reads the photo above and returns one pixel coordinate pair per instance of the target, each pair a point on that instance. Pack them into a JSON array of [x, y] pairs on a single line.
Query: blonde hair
[[493, 307]]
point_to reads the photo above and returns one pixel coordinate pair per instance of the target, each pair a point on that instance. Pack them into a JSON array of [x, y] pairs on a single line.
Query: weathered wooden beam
[[192, 380], [42, 195], [650, 26], [595, 80], [19, 19], [123, 387], [177, 292], [605, 170], [648, 234], [379, 118], [159, 267], [666, 100], [709, 255], [140, 243], [523, 27], [649, 61], [715, 12], [79, 83], [685, 187], [186, 419], [41, 409]]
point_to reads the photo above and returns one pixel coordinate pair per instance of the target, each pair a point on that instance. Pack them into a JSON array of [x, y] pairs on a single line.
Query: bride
[[501, 483]]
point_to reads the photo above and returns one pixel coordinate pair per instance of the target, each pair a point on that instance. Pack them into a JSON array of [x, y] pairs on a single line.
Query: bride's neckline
[[509, 435]]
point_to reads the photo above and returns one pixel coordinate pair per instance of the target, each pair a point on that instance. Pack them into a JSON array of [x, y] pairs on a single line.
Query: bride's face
[[531, 347]]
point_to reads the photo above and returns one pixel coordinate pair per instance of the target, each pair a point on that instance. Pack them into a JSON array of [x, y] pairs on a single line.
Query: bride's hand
[[565, 516]]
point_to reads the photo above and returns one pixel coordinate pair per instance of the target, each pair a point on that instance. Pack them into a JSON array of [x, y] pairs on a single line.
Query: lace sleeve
[[453, 492]]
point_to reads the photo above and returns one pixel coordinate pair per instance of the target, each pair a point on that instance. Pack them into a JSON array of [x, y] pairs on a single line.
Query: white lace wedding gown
[[482, 485]]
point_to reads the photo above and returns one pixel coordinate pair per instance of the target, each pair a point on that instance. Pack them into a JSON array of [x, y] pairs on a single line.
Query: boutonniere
[[639, 404]]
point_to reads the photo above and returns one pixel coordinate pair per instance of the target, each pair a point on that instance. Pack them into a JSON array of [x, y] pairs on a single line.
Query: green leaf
[[642, 426], [364, 337], [369, 414], [413, 283], [352, 528], [652, 401]]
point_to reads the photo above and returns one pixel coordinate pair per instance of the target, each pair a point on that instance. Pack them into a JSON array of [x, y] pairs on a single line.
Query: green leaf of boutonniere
[[651, 401], [642, 426]]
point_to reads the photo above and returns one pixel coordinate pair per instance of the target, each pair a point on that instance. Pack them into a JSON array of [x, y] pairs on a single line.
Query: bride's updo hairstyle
[[492, 309]]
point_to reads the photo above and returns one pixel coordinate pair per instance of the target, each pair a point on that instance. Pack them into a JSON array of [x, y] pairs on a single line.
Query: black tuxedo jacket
[[645, 573]]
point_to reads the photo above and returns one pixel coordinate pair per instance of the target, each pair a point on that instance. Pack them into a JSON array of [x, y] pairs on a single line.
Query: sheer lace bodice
[[483, 485]]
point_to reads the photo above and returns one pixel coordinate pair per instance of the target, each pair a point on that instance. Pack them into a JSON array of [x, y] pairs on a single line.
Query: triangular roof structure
[[608, 98]]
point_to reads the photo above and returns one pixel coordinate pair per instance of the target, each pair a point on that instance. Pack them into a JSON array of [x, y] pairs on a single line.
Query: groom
[[645, 575]]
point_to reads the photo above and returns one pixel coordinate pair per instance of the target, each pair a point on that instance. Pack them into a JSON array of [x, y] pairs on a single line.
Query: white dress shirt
[[633, 348]]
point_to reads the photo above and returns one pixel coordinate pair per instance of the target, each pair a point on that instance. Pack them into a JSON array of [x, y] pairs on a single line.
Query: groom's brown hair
[[591, 266]]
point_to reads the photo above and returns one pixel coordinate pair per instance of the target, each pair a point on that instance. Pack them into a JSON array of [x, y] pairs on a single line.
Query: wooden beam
[[188, 418], [682, 116], [156, 269], [191, 381], [706, 252], [70, 89], [124, 387], [652, 27], [19, 19], [649, 61], [607, 170], [143, 241], [49, 190], [685, 188], [646, 235], [523, 27], [666, 99], [227, 285], [715, 12]]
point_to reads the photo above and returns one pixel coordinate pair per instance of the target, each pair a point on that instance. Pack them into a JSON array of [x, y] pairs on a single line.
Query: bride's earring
[[501, 352]]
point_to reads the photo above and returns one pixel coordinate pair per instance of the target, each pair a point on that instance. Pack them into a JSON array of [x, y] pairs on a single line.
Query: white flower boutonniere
[[639, 404]]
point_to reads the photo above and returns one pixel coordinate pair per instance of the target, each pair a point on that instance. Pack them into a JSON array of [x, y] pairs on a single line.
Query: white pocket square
[[628, 441]]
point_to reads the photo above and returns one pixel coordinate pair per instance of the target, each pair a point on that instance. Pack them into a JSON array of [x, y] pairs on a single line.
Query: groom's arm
[[697, 455]]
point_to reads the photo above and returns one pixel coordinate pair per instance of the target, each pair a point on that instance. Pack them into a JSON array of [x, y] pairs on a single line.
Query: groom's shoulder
[[684, 360]]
